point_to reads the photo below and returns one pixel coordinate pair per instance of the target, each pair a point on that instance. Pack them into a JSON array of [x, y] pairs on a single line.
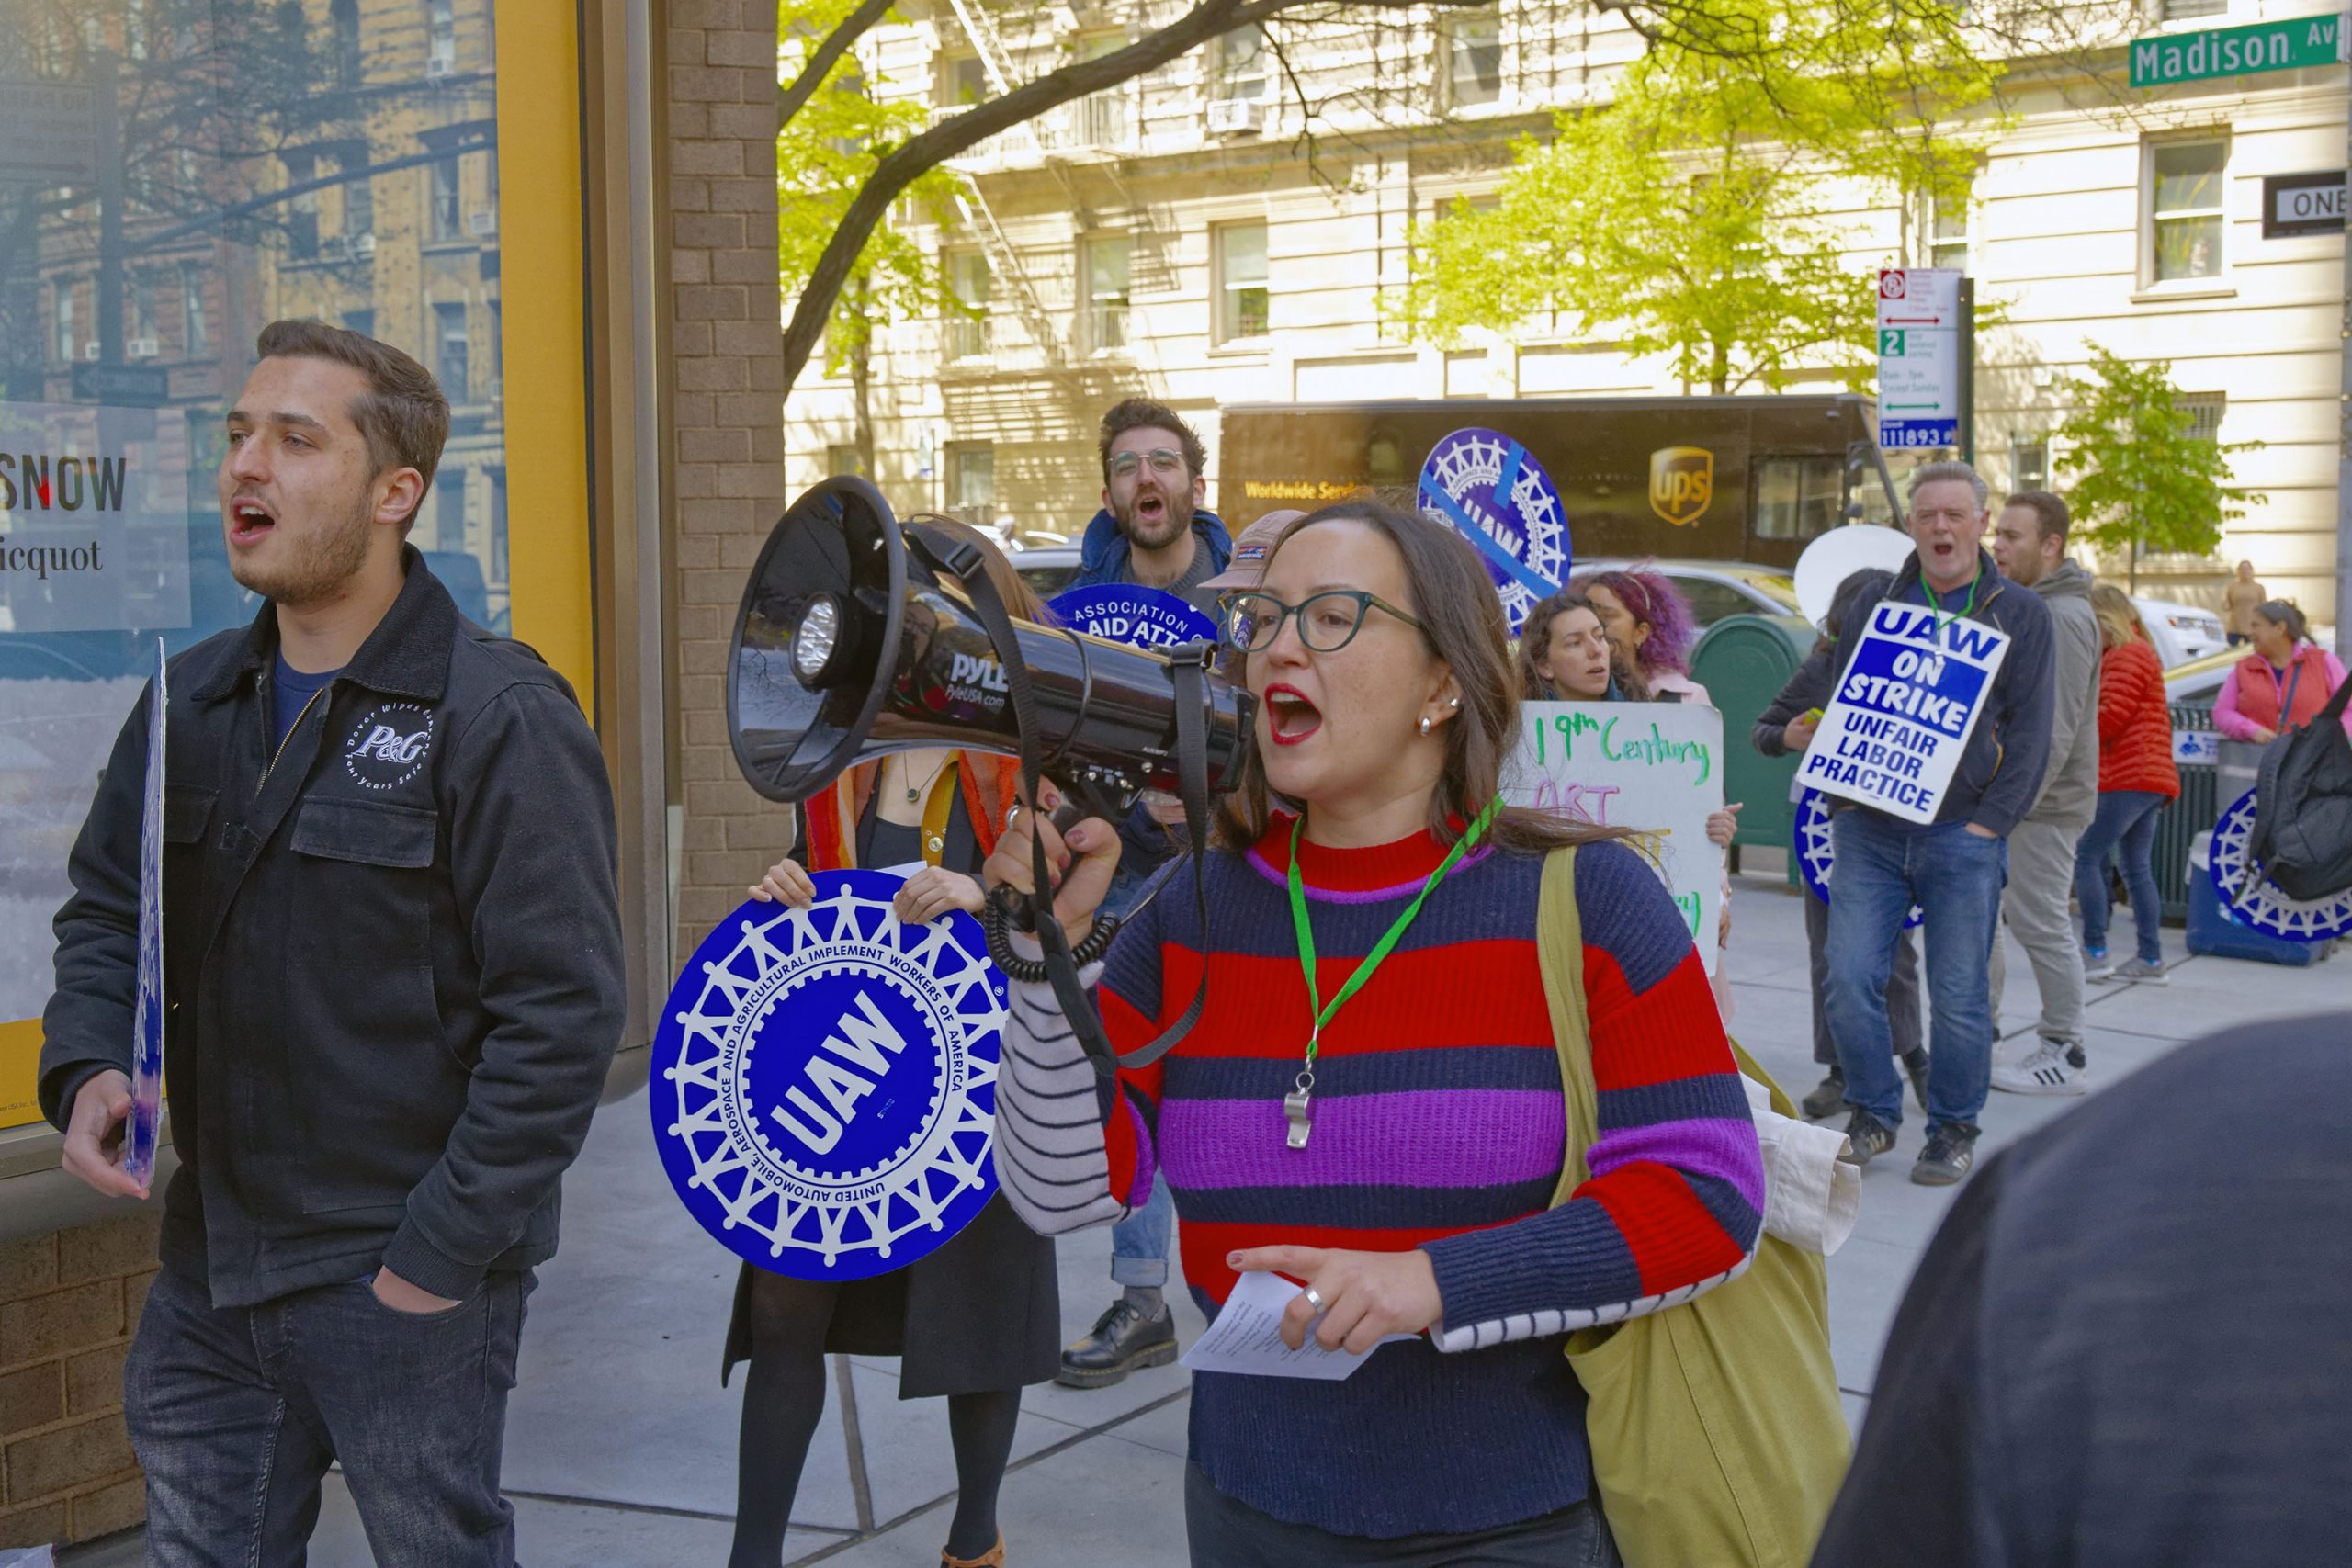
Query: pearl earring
[[1425, 724]]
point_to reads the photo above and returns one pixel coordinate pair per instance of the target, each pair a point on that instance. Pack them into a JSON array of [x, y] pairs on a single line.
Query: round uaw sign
[[1818, 857], [1141, 617], [824, 1081], [2263, 904], [1490, 487]]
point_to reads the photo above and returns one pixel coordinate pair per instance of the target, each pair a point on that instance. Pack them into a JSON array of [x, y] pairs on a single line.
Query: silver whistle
[[1298, 1109]]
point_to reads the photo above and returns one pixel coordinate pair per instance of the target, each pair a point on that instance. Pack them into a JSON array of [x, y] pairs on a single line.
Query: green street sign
[[2286, 45], [1890, 343]]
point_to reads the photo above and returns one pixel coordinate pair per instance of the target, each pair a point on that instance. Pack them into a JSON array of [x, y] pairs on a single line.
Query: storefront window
[[174, 173]]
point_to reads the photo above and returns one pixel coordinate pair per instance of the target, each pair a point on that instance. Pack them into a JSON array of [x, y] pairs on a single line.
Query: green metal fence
[[2181, 821]]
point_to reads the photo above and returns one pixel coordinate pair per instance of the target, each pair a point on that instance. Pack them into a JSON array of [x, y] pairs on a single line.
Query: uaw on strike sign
[[1893, 734], [824, 1081]]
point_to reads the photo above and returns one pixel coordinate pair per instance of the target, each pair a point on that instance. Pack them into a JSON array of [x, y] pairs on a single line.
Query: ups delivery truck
[[1751, 479]]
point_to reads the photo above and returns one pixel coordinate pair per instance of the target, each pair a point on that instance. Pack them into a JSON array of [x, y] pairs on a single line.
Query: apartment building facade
[[1226, 230]]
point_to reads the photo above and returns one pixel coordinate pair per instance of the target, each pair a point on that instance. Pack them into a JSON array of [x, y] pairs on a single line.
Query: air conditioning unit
[[90, 351], [481, 223], [141, 348], [335, 248], [437, 66], [1233, 114], [363, 245]]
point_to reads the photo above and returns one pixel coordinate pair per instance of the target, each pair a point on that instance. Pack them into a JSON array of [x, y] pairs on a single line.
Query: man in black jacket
[[393, 984], [1953, 868]]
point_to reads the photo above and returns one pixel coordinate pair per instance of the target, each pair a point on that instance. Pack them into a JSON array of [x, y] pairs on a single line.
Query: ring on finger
[[1314, 1299]]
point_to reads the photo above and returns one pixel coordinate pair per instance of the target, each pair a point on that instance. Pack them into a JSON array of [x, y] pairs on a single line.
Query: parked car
[[1049, 567], [2199, 680], [1716, 589], [2181, 632]]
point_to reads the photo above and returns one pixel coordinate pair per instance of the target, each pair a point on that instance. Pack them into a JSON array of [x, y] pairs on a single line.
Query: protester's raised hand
[[94, 1135], [788, 882], [1083, 860], [1722, 825], [1366, 1296], [1797, 734]]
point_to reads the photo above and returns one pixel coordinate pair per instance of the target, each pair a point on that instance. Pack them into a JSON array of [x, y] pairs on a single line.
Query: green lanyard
[[1299, 1104], [1935, 606]]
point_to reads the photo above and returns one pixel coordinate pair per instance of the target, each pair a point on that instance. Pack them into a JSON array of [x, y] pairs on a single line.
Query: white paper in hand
[[1247, 1338]]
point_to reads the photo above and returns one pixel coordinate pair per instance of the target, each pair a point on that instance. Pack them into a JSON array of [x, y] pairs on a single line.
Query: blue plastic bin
[[2214, 932]]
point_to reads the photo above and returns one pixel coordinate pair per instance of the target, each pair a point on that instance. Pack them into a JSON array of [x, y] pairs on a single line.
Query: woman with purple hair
[[1646, 616]]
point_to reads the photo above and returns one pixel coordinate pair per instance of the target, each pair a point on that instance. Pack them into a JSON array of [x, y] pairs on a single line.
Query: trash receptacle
[[2214, 930], [2193, 749], [1744, 660]]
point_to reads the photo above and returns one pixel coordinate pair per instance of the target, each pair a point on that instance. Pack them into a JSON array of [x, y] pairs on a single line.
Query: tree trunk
[[1719, 369], [2132, 568], [861, 380]]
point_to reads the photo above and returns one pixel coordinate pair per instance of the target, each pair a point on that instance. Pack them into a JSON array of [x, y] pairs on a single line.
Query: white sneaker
[[2046, 1071]]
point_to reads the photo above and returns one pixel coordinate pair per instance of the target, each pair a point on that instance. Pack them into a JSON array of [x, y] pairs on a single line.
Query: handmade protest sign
[[1653, 767], [147, 1016], [1916, 685], [823, 1082], [1142, 617]]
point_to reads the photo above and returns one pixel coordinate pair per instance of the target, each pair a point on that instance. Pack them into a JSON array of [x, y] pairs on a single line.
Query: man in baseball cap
[[1250, 552]]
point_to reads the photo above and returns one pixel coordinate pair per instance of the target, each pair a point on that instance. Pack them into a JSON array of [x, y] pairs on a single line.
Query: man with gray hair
[[1953, 868]]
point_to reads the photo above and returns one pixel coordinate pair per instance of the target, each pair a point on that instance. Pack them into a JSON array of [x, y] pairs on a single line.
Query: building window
[[1796, 498], [194, 337], [1475, 57], [1948, 227], [2029, 462], [358, 197], [969, 283], [440, 38], [2205, 412], [1103, 119], [2185, 185], [2182, 10], [65, 307], [1107, 264], [971, 482], [345, 18], [451, 367], [139, 318], [448, 511], [840, 458], [963, 82], [1241, 300], [1240, 65], [497, 477], [446, 224], [360, 320]]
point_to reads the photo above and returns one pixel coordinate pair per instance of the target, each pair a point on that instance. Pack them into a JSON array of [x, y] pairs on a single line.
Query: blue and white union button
[[824, 1081]]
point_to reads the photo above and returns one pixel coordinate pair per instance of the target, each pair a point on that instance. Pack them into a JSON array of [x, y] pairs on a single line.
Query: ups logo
[[1682, 483]]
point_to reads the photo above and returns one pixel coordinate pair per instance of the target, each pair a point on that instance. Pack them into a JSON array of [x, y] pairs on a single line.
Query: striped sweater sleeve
[[1674, 1205], [1052, 1159]]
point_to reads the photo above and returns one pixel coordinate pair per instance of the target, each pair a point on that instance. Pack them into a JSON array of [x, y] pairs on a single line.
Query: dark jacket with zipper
[[2009, 750], [392, 955]]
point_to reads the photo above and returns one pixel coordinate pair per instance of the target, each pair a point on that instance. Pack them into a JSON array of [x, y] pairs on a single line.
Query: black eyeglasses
[[1328, 622]]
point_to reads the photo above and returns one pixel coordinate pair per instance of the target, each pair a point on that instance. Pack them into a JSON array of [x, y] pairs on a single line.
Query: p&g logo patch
[[389, 746]]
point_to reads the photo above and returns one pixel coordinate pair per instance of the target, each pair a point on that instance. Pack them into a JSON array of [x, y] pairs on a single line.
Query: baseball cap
[[1250, 550]]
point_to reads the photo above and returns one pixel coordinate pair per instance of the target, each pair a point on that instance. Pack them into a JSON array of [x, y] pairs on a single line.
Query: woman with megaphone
[[1371, 1105], [980, 1318]]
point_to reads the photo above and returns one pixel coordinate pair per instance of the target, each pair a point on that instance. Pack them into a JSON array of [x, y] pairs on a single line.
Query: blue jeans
[[2126, 822], [1884, 866], [1139, 1242], [237, 1413]]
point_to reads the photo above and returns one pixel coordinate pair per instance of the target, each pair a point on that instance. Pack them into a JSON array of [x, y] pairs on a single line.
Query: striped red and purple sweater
[[1438, 1124]]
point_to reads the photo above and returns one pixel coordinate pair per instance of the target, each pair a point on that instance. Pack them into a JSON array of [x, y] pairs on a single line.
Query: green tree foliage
[[2140, 480], [1691, 216]]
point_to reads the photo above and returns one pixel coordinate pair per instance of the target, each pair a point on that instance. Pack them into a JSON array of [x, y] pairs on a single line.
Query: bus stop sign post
[[1923, 348]]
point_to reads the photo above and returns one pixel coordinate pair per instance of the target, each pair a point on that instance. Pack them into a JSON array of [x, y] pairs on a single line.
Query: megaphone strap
[[1188, 670]]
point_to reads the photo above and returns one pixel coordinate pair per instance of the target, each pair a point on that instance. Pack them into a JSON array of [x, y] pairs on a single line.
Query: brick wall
[[726, 432], [68, 1303]]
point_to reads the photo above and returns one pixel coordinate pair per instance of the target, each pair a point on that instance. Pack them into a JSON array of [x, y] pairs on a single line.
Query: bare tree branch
[[959, 133], [822, 60]]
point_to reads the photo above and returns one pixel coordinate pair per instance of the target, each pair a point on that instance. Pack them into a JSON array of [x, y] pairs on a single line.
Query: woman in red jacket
[[2136, 776]]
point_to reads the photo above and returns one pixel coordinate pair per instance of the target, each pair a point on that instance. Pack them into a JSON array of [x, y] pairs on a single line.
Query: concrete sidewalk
[[620, 1448]]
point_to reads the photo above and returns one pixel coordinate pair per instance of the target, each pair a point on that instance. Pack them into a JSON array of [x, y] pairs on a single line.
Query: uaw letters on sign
[[1893, 735], [1653, 767]]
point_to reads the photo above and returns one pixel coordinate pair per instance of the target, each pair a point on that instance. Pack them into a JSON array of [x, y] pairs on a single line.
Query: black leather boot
[[1124, 1340]]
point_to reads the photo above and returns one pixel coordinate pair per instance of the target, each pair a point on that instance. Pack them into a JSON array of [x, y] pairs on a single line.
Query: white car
[[2180, 631]]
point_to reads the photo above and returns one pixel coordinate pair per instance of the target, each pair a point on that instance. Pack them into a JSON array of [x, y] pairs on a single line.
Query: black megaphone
[[857, 638]]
